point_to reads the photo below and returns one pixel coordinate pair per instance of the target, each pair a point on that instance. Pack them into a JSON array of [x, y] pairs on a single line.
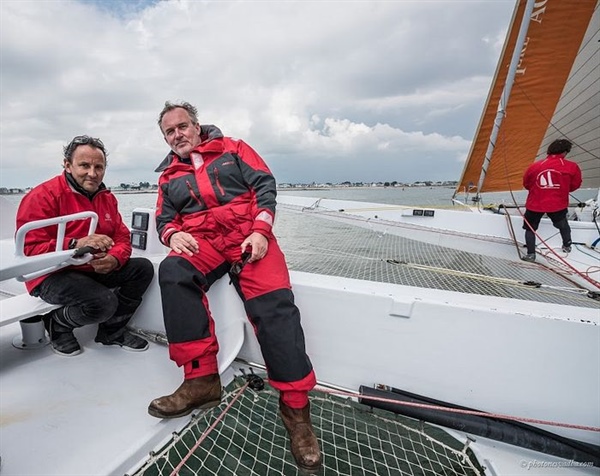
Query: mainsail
[[555, 94]]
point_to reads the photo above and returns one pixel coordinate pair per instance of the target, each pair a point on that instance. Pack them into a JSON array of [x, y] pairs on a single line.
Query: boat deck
[[316, 245], [53, 410], [88, 414]]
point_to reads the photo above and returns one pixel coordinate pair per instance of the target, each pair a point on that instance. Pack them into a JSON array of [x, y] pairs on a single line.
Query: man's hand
[[104, 263], [259, 245], [182, 242], [99, 242]]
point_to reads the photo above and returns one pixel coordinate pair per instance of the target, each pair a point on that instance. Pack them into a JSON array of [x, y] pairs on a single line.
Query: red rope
[[560, 258], [458, 410], [208, 430]]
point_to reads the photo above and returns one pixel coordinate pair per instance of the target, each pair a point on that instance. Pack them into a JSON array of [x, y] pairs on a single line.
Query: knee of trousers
[[144, 270], [100, 310], [176, 271], [279, 332], [562, 225]]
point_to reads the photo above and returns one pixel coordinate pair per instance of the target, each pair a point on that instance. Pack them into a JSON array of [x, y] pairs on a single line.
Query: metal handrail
[[47, 262]]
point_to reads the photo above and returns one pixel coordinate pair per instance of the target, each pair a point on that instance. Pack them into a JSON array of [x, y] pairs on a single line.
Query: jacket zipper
[[219, 186], [193, 194]]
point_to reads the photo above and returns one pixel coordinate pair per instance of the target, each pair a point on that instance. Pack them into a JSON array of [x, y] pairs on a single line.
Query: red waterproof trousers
[[264, 287]]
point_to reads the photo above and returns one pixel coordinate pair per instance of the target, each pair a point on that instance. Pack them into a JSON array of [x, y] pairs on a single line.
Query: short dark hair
[[69, 149], [560, 146], [169, 106]]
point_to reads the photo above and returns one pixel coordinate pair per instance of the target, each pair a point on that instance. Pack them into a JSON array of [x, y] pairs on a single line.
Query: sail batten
[[555, 93]]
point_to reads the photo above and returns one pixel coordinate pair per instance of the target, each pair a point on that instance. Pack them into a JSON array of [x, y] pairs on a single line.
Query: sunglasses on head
[[84, 140]]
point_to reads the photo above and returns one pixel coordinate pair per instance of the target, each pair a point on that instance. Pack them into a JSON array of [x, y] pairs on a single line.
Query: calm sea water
[[439, 196], [395, 196]]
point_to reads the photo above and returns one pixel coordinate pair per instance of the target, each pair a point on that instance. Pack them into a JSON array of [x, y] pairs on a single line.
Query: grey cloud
[[319, 88]]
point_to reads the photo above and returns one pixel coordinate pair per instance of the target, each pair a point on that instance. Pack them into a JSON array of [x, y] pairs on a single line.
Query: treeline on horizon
[[147, 186]]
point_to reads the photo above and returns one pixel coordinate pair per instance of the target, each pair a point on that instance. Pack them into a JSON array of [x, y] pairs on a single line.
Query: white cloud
[[318, 88]]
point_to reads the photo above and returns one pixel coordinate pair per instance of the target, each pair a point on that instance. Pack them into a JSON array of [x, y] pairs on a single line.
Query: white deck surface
[[85, 416], [501, 459]]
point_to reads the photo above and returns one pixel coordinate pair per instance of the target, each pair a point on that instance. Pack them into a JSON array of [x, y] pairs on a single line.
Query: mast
[[512, 70]]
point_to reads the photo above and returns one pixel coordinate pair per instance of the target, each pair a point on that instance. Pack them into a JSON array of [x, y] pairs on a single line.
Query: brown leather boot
[[305, 447], [196, 393]]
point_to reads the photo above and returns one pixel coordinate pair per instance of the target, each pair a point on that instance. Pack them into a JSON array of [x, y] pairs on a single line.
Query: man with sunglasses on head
[[107, 290], [215, 210]]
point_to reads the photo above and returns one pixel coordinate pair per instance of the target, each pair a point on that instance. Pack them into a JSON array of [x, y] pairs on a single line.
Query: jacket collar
[[79, 189], [208, 133]]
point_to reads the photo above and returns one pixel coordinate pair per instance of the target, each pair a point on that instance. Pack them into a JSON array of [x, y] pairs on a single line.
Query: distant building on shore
[[148, 187]]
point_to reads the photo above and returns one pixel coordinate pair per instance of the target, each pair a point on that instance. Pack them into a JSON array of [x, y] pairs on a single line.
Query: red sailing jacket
[[224, 192], [54, 198], [549, 182]]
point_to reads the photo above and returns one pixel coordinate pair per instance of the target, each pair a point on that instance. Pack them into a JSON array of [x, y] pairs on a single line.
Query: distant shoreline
[[291, 189], [283, 189]]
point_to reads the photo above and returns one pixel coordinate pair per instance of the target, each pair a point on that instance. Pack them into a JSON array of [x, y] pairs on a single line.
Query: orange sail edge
[[555, 34]]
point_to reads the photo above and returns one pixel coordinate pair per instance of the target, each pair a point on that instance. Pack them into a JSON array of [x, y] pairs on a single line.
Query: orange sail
[[555, 94]]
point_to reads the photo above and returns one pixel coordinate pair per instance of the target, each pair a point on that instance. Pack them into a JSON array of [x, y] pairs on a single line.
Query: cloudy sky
[[325, 91]]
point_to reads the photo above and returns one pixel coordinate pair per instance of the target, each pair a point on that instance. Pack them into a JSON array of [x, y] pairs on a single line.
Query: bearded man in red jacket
[[549, 183], [215, 210], [108, 289]]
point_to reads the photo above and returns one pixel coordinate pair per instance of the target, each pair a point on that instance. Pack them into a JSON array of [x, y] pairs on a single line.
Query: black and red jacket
[[224, 191]]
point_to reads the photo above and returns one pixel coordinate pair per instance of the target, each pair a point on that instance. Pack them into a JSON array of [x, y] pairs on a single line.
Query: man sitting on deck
[[549, 183], [108, 289], [215, 210]]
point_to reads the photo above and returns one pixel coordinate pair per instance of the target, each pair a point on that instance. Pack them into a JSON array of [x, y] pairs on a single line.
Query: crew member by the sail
[[549, 183]]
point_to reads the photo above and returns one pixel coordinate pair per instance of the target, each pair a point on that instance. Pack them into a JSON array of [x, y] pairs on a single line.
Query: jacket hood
[[208, 132]]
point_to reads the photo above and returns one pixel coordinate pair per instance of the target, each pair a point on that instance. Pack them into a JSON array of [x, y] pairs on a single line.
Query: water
[[390, 195], [424, 196], [432, 196]]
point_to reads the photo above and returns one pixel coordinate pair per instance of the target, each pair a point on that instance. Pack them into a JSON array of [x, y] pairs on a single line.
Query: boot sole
[[66, 354], [308, 471], [124, 347], [156, 413]]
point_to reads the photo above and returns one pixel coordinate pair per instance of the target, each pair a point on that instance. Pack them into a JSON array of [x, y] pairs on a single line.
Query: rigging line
[[585, 252], [570, 85], [465, 274], [339, 391], [506, 171], [590, 269], [504, 161], [559, 258], [591, 58], [491, 279], [338, 252], [577, 111], [573, 196], [592, 36], [550, 123], [580, 113], [209, 429], [591, 140], [513, 235], [410, 226], [573, 86], [462, 411]]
